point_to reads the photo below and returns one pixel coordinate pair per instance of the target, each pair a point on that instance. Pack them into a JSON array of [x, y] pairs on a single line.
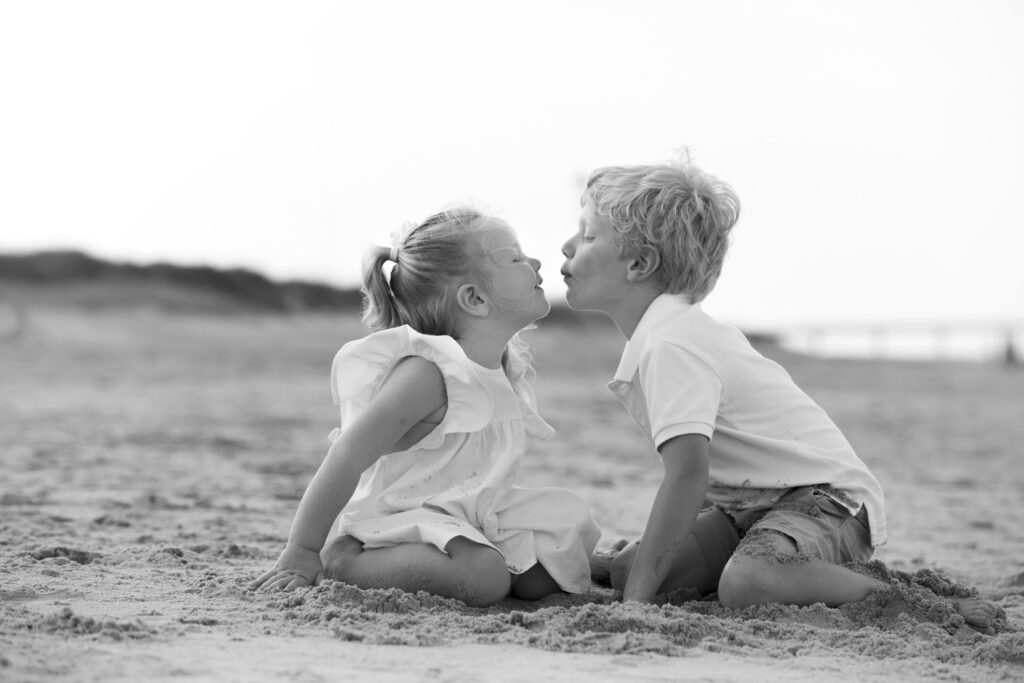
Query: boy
[[790, 500]]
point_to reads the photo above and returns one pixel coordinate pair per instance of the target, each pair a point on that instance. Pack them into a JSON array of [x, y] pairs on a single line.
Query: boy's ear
[[643, 263], [472, 300]]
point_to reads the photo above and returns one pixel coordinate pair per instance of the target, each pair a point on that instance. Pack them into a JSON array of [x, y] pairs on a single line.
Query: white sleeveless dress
[[457, 480]]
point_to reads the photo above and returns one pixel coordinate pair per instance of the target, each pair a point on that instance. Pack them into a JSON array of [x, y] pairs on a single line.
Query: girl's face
[[511, 278]]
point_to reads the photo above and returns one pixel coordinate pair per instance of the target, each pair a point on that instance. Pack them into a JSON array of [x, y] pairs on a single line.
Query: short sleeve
[[362, 366], [682, 391]]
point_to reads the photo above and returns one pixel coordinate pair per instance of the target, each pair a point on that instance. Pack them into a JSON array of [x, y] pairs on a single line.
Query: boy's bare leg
[[601, 563], [688, 570], [466, 571], [771, 570], [698, 565]]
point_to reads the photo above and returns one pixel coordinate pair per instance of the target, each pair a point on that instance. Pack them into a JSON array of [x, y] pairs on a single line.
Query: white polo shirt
[[683, 373]]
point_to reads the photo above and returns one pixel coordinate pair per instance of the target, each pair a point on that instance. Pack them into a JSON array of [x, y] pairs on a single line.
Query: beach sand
[[150, 465]]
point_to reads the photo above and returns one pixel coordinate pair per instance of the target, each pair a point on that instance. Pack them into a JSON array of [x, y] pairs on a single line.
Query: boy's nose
[[567, 248]]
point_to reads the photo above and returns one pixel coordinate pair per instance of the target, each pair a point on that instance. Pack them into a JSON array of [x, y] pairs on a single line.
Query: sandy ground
[[150, 465]]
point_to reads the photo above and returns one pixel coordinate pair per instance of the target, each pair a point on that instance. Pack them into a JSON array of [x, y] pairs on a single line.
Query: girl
[[435, 409]]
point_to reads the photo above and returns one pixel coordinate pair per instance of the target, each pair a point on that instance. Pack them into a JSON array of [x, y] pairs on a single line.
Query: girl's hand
[[297, 567]]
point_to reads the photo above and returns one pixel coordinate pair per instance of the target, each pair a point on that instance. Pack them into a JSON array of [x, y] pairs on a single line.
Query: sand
[[150, 464]]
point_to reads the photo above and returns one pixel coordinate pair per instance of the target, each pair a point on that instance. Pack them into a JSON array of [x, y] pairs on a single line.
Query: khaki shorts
[[818, 525]]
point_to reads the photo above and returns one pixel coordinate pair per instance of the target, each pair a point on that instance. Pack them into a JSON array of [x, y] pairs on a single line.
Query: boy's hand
[[675, 508], [297, 567]]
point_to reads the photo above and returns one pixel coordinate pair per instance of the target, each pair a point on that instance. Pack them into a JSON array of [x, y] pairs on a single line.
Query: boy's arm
[[675, 509], [414, 390]]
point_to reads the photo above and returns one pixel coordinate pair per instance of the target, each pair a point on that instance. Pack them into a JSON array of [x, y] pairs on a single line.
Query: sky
[[876, 147]]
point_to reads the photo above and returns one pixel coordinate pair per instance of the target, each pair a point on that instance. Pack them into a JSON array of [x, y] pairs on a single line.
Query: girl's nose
[[567, 248], [534, 262]]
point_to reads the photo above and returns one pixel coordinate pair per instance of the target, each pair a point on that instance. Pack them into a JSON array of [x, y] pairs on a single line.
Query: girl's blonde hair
[[429, 264], [683, 212]]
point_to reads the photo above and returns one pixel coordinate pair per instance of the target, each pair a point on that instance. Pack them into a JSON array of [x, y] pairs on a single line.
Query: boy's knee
[[739, 585], [748, 580]]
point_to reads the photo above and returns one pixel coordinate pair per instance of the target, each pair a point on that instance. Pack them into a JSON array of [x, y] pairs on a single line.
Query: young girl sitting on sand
[[436, 407]]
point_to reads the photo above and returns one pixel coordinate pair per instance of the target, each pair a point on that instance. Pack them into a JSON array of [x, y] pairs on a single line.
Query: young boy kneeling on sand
[[763, 499]]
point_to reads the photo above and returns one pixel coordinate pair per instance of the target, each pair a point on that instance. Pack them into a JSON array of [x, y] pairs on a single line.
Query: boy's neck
[[626, 314]]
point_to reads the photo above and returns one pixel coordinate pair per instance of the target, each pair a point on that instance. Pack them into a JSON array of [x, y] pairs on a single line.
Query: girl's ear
[[643, 264], [472, 300]]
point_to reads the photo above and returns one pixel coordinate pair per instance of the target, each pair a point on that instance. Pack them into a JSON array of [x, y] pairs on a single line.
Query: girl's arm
[[675, 509], [414, 390]]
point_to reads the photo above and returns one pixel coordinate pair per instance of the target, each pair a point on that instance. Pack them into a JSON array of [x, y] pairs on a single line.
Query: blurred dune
[[68, 279], [74, 278]]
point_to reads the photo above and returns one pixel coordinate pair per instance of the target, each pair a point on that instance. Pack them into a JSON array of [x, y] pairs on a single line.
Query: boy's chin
[[577, 305]]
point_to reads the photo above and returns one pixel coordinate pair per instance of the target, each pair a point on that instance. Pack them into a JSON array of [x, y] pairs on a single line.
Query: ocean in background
[[984, 343]]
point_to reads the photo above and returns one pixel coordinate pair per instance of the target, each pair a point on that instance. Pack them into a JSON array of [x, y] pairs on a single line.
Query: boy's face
[[594, 269]]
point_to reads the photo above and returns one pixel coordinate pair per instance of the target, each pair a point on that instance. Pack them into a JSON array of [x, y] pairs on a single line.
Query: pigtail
[[380, 308]]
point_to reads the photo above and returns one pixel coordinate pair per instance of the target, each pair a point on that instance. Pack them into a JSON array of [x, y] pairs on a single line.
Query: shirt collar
[[662, 309]]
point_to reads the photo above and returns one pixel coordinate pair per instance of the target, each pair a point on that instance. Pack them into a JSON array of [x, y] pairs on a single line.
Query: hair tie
[[398, 237]]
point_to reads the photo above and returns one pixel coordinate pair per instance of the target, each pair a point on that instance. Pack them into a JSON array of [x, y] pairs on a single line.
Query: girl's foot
[[337, 554], [979, 614], [601, 563]]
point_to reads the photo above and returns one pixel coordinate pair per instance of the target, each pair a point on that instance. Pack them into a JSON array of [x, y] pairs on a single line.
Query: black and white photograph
[[576, 340]]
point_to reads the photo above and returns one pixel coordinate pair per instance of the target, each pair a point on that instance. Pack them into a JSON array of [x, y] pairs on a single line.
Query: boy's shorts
[[818, 525]]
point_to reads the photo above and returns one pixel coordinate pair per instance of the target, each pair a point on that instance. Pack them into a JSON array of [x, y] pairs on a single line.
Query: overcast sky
[[877, 148]]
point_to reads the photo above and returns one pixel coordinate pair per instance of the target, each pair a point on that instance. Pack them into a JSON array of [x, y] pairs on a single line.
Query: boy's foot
[[337, 554], [979, 614], [601, 563]]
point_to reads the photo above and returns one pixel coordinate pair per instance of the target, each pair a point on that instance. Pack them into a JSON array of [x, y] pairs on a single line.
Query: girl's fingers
[[283, 579], [280, 582], [264, 577], [297, 582], [276, 579]]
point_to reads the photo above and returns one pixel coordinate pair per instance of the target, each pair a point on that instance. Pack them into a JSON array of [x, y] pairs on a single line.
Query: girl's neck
[[484, 347]]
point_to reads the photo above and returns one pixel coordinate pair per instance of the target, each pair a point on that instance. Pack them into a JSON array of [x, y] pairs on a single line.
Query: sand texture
[[150, 464]]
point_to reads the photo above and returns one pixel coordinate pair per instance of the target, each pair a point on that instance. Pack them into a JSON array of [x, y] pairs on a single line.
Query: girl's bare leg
[[535, 583], [772, 571], [466, 571]]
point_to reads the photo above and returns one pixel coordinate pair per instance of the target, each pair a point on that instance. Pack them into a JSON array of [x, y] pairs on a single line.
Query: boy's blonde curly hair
[[676, 208]]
